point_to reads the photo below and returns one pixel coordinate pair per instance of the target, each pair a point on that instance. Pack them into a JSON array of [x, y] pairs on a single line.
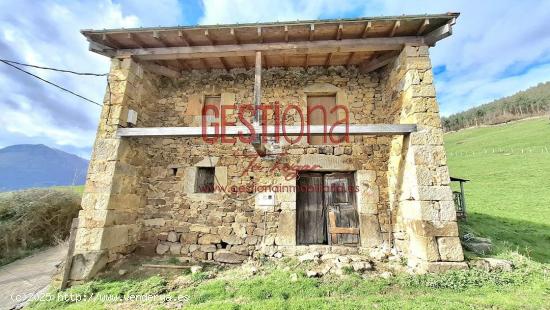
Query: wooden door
[[343, 219], [311, 215]]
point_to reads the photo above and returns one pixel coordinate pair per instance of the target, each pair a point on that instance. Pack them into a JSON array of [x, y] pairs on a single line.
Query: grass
[[508, 198], [526, 287]]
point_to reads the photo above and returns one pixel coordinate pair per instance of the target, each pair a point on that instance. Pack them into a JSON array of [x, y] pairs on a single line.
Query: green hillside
[[508, 198]]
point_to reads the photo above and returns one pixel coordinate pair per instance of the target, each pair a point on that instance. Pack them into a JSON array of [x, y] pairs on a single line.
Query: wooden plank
[[70, 253], [377, 62], [344, 230], [258, 87], [377, 129], [290, 48]]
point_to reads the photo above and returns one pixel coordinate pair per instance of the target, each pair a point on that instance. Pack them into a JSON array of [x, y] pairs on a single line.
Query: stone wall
[[177, 221], [140, 192], [421, 202]]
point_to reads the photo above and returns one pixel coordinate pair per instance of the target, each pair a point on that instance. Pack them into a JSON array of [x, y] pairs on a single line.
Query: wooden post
[[257, 142], [70, 252], [463, 198], [258, 88]]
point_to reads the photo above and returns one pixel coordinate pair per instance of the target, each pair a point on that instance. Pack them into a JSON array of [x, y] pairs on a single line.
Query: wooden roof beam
[[161, 70], [286, 33], [311, 32], [396, 25], [224, 63], [423, 26], [368, 27], [260, 35], [182, 63], [329, 60], [159, 39], [339, 32], [109, 41], [183, 38], [234, 36], [208, 38], [136, 39], [302, 47], [439, 34], [377, 62]]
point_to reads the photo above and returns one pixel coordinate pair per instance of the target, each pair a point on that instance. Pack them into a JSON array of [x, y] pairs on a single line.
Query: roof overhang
[[346, 42]]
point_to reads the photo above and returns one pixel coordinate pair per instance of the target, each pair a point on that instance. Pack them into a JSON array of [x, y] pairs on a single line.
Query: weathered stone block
[[450, 249], [369, 230], [209, 239], [286, 232], [224, 256]]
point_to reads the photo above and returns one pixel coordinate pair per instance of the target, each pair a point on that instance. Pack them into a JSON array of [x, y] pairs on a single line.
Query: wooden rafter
[[339, 32], [286, 33], [377, 62], [109, 41], [311, 32], [183, 38], [161, 70], [136, 39], [224, 63], [396, 25], [234, 36], [439, 33], [208, 38], [329, 60], [368, 27], [260, 35], [422, 27], [159, 39], [182, 63]]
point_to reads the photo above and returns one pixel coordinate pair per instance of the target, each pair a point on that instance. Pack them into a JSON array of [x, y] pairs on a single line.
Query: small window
[[205, 180]]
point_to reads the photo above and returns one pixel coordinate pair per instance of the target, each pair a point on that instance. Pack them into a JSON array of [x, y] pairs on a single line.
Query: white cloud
[[48, 34]]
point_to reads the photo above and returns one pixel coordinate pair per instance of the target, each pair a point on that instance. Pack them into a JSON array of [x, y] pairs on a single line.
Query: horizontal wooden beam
[[374, 129], [302, 47]]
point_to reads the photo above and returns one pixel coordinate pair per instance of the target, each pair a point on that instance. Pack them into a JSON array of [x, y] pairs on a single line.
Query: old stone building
[[157, 185]]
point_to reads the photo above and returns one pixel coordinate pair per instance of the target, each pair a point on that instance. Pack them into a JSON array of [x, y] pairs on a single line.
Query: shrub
[[34, 218]]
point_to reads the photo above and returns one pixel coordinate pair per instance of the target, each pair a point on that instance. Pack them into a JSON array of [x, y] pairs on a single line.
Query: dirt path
[[28, 276]]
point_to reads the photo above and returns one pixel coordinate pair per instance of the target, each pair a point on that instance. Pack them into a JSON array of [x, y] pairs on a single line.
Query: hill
[[508, 195], [534, 101], [25, 165]]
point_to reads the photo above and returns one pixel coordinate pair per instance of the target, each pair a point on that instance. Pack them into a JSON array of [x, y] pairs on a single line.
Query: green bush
[[35, 218]]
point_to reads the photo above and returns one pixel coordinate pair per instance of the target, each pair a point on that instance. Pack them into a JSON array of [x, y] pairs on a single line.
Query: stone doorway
[[326, 209]]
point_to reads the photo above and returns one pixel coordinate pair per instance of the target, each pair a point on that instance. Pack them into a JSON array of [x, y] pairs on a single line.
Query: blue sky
[[497, 48]]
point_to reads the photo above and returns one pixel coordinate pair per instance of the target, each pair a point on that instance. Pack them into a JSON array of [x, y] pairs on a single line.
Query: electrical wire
[[53, 69], [51, 83]]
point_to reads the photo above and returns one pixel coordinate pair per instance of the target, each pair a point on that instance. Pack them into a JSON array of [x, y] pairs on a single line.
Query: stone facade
[[140, 193]]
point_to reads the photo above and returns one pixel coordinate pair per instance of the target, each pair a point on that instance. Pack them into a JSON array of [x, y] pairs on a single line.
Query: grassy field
[[508, 198]]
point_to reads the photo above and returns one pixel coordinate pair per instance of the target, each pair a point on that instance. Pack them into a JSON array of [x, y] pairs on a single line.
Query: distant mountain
[[36, 165]]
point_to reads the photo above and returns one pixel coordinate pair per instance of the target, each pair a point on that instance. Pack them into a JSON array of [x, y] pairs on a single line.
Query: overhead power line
[[51, 83], [53, 69]]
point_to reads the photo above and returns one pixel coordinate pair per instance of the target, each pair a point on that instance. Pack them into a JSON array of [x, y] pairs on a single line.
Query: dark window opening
[[174, 171], [205, 180]]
